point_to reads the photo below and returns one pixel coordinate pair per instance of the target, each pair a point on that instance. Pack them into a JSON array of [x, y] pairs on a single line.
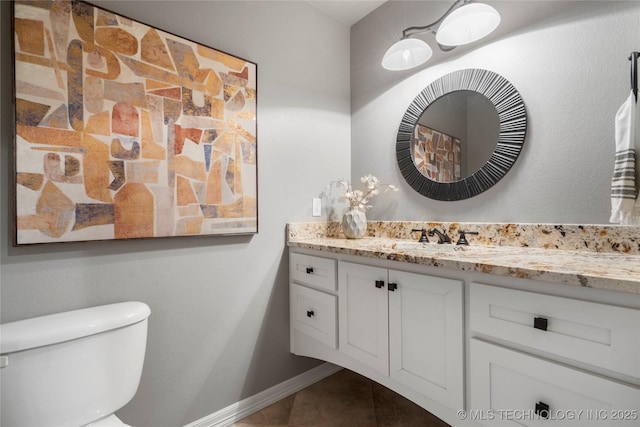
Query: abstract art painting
[[436, 155], [124, 131]]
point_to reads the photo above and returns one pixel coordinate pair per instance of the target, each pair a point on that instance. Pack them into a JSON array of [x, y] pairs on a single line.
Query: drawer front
[[313, 271], [600, 335], [314, 313], [513, 388]]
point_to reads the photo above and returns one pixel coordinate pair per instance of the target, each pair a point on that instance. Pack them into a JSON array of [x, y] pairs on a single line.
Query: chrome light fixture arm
[[464, 22], [410, 31]]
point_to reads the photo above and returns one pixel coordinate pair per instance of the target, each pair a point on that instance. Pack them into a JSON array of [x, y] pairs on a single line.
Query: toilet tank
[[72, 368]]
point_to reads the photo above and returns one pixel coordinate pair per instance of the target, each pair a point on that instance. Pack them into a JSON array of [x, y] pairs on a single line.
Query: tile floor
[[344, 399]]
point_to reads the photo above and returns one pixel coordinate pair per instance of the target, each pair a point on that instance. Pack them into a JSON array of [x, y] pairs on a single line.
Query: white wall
[[572, 71], [218, 333]]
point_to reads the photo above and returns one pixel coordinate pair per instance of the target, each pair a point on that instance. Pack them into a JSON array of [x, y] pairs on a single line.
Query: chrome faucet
[[442, 236]]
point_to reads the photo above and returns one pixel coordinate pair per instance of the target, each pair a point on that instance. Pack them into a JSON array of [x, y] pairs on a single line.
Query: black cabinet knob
[[392, 286], [542, 410], [310, 313], [540, 323], [379, 284], [309, 270]]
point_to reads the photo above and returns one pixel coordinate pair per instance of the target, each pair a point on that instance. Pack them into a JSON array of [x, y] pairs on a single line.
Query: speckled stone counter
[[604, 257]]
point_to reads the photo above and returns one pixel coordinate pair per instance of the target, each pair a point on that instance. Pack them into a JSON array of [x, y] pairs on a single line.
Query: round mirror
[[461, 135]]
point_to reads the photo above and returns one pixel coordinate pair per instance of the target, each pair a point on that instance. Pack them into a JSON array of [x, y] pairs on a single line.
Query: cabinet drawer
[[600, 335], [314, 313], [313, 270], [507, 387]]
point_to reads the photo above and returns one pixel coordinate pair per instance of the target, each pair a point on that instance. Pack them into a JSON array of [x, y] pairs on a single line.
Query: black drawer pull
[[379, 284], [392, 286], [540, 323], [542, 410], [309, 270], [310, 313]]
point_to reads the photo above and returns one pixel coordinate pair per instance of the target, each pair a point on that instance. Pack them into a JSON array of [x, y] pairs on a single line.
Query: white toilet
[[74, 368]]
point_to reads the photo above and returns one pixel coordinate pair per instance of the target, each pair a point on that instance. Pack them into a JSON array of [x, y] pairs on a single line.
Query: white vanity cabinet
[[470, 347], [572, 361], [405, 325]]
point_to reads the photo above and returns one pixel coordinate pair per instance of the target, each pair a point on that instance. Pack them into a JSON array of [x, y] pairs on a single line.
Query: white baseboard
[[237, 411]]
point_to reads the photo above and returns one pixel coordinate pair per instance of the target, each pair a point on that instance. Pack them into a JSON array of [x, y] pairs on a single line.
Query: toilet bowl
[[74, 368]]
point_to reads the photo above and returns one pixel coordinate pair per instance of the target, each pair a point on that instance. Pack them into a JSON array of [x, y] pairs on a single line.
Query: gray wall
[[572, 71], [219, 332]]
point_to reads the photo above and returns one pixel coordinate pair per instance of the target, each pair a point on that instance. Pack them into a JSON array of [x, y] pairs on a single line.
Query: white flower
[[359, 199], [371, 181]]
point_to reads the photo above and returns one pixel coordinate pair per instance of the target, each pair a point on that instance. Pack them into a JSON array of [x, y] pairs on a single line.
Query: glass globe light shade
[[406, 54], [467, 24]]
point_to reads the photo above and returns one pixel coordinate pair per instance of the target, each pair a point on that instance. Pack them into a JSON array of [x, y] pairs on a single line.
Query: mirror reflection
[[455, 136]]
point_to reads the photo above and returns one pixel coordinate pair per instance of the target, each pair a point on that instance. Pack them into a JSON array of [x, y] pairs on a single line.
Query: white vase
[[354, 224]]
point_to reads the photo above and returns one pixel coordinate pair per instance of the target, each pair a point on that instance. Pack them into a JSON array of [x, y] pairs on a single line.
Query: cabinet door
[[426, 335], [515, 389], [363, 314]]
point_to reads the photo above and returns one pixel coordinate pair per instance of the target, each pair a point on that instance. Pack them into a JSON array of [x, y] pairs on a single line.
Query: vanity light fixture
[[464, 22]]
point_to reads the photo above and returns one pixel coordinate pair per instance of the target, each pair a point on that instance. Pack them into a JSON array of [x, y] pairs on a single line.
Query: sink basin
[[426, 247], [433, 248]]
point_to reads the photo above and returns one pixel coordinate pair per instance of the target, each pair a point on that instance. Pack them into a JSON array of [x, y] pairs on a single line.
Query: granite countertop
[[603, 270]]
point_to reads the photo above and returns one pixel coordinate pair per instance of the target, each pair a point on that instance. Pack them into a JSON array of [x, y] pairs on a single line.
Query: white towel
[[625, 209]]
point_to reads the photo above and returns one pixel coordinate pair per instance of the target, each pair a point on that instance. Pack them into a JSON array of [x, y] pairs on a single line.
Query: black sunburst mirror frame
[[512, 117]]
